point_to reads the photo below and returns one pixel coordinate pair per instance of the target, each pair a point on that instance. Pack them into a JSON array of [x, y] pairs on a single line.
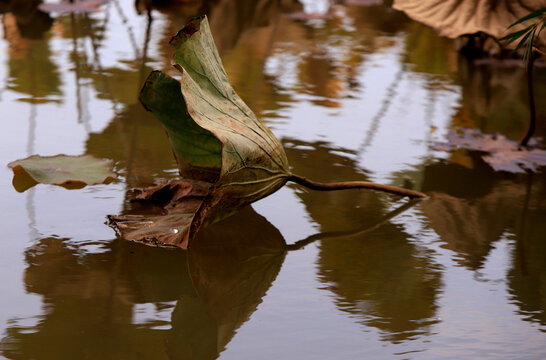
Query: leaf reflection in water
[[379, 275], [90, 299], [471, 220]]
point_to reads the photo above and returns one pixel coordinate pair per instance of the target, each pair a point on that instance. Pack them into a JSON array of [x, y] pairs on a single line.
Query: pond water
[[357, 92]]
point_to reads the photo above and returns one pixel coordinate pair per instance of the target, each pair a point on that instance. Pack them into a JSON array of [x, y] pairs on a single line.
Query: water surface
[[354, 92]]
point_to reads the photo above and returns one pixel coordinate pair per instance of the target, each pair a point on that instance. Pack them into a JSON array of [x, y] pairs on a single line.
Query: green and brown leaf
[[216, 138]]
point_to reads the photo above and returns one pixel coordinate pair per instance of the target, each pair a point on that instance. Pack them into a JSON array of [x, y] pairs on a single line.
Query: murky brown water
[[358, 94]]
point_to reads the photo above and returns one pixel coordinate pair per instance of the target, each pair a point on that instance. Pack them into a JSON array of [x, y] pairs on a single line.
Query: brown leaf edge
[[180, 201]]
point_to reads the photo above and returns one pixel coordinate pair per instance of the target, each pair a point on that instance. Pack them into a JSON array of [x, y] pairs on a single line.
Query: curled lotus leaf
[[216, 138]]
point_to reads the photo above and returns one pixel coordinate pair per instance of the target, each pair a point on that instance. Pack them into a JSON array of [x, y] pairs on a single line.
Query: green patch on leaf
[[68, 171], [198, 151]]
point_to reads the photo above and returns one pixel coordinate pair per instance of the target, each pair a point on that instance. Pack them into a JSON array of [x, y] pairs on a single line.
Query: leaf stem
[[532, 111], [355, 185]]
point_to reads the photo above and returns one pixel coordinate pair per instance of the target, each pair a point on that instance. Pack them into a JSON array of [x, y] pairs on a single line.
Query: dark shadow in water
[[31, 22], [91, 300], [475, 208], [495, 97], [380, 276], [231, 270], [468, 219], [466, 211], [527, 278]]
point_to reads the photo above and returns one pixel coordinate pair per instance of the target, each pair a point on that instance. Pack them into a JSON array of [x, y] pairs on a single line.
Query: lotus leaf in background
[[226, 156], [455, 18], [67, 171]]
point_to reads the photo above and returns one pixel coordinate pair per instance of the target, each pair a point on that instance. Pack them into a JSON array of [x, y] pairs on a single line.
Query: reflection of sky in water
[[393, 112], [154, 315], [315, 6]]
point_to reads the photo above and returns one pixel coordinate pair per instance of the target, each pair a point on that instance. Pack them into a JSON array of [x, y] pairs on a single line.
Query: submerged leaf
[[64, 170], [500, 153], [216, 138]]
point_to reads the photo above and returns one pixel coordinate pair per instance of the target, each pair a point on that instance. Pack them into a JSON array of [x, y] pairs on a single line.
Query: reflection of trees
[[495, 97], [486, 207], [494, 93], [429, 53], [379, 276], [137, 142], [228, 19], [31, 70], [468, 222], [326, 60], [527, 278], [91, 300], [30, 21]]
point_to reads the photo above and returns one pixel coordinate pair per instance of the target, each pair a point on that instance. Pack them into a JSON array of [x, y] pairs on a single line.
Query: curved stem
[[355, 185]]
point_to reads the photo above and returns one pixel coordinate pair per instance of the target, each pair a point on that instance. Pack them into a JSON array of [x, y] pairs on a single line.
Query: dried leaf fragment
[[501, 153], [180, 199]]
